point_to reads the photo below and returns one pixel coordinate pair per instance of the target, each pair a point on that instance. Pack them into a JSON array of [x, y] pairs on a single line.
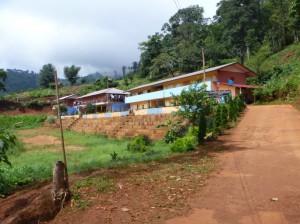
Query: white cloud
[[96, 35]]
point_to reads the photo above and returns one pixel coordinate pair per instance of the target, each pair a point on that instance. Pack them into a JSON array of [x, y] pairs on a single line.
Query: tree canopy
[[240, 30], [46, 76], [71, 73], [3, 76], [241, 25], [6, 141]]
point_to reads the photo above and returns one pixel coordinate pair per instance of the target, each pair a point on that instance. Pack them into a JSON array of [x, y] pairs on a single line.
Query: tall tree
[[162, 65], [3, 76], [71, 73], [149, 50], [46, 76], [278, 15], [185, 35], [294, 13], [240, 22], [124, 70], [214, 47], [135, 66]]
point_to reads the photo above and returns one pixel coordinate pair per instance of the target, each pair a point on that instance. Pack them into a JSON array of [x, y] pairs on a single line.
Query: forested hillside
[[251, 32], [246, 31], [238, 32], [20, 80]]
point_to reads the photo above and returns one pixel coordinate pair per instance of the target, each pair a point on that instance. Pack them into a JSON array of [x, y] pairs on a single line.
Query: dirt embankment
[[17, 108]]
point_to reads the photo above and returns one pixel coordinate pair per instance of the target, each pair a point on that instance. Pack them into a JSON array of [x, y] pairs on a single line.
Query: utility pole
[[203, 64], [61, 132]]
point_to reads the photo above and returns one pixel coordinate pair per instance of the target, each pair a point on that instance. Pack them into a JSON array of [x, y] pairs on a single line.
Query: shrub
[[193, 131], [139, 144], [7, 140], [35, 104], [240, 103], [176, 129], [90, 108], [63, 108], [201, 128], [51, 120], [279, 87], [224, 116], [114, 156], [184, 144]]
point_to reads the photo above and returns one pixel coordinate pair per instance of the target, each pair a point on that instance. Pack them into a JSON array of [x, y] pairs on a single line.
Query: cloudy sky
[[96, 35]]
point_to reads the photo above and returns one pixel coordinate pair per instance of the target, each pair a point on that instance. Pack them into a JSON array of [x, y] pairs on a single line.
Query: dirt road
[[263, 164]]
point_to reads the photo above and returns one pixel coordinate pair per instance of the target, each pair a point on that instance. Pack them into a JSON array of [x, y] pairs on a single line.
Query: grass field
[[34, 163], [11, 123]]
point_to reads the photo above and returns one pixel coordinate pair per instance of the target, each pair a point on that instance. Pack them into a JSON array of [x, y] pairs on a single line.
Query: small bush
[[51, 120], [35, 104], [63, 108], [184, 144], [176, 129], [114, 156], [90, 108], [139, 144], [193, 131]]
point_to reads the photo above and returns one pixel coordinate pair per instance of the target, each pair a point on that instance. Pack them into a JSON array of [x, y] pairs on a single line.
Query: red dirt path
[[263, 163]]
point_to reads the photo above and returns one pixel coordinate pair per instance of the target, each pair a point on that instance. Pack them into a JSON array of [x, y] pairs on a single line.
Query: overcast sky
[[96, 35]]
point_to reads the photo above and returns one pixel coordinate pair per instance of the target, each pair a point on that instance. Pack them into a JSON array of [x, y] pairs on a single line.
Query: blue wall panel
[[151, 111]]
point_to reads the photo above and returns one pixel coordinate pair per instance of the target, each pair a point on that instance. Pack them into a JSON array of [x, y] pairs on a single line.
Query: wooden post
[[59, 192], [61, 132], [203, 64]]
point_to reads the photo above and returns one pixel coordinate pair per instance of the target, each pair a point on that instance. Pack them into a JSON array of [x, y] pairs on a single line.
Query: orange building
[[230, 77]]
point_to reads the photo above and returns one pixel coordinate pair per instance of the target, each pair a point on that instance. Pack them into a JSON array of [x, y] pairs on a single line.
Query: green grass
[[37, 165], [21, 121], [288, 58]]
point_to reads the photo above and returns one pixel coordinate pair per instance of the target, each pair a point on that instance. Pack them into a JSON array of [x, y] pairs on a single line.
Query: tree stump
[[59, 190]]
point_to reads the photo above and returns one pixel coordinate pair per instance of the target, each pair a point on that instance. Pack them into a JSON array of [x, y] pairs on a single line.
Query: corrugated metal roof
[[193, 74], [72, 96], [107, 91]]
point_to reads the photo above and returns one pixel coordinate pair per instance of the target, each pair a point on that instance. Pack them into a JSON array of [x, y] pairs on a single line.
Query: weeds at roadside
[[81, 199]]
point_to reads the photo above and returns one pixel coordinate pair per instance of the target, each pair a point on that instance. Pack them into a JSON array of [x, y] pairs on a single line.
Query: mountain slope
[[20, 80], [278, 74]]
